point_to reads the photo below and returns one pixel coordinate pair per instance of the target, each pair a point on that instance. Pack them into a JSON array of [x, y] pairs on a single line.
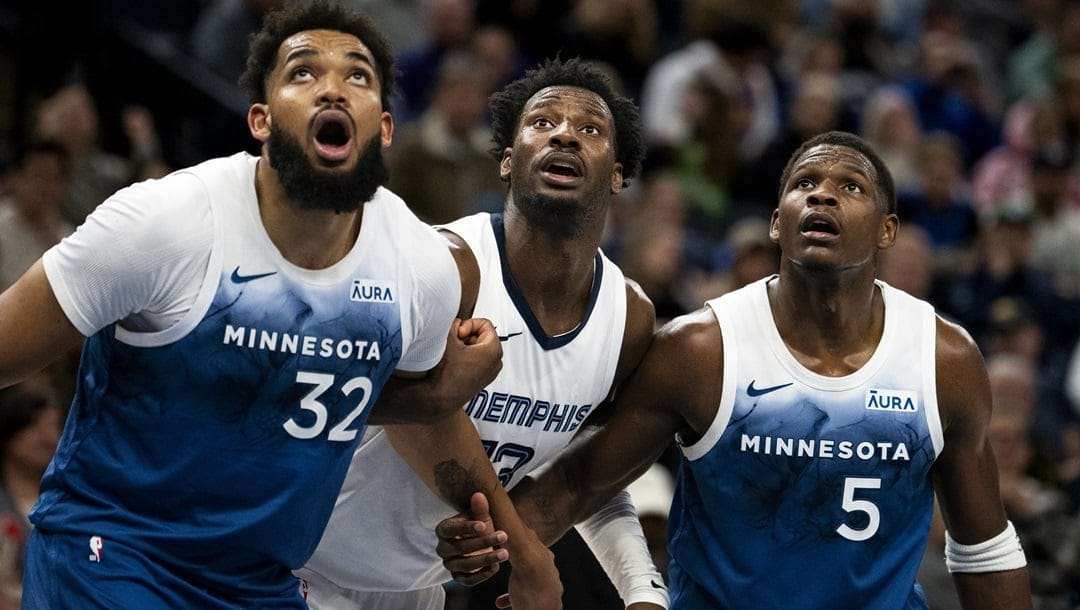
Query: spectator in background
[[449, 26], [749, 256], [940, 203], [70, 117], [448, 145], [909, 263], [1033, 130], [813, 108], [950, 95], [30, 423], [732, 52], [31, 221], [890, 122], [1031, 68], [220, 36], [495, 48], [1040, 512], [1055, 232], [620, 33]]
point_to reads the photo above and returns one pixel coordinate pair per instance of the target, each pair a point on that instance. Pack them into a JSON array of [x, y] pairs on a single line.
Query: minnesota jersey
[[216, 447], [809, 491], [548, 386]]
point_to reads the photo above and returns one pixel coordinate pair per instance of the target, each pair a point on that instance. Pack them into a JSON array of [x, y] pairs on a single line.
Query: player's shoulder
[[954, 345], [690, 339]]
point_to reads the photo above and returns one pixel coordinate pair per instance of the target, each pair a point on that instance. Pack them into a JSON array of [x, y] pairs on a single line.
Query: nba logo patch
[[372, 291], [891, 400], [96, 542]]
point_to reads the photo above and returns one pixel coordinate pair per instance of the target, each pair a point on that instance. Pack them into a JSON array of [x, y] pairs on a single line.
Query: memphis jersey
[[548, 386], [809, 491], [217, 447]]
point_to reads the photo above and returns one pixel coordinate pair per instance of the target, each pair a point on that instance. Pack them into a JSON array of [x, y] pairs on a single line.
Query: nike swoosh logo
[[507, 336], [656, 585], [240, 279], [752, 391]]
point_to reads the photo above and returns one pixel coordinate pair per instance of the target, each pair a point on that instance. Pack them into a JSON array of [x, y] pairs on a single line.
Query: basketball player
[[242, 317], [572, 328], [818, 412]]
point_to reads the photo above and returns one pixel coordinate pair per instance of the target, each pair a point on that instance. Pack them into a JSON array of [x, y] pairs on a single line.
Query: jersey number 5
[[850, 504], [310, 402]]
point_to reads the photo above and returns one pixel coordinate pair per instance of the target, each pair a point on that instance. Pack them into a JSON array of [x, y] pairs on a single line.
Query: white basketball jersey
[[381, 536], [809, 491]]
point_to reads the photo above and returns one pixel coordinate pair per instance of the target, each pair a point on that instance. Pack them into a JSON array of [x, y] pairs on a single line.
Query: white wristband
[[614, 535], [1002, 552]]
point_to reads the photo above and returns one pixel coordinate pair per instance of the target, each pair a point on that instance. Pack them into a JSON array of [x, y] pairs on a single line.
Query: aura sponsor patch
[[892, 400]]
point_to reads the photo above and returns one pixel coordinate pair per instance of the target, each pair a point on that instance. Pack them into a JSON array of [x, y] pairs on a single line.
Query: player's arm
[[463, 371], [675, 390], [450, 458], [34, 330], [982, 550], [614, 533]]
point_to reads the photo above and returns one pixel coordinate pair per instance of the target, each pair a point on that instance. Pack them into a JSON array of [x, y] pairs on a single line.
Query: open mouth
[[333, 135], [562, 168], [819, 225]]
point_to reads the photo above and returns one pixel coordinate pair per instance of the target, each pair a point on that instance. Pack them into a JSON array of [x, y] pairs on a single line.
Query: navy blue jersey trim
[[546, 341]]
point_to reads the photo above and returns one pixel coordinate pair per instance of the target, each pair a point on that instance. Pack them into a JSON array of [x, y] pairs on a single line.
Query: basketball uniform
[[808, 491], [200, 461], [379, 548]]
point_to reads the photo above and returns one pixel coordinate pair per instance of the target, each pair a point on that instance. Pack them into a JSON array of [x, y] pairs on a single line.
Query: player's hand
[[473, 359], [534, 580], [469, 544]]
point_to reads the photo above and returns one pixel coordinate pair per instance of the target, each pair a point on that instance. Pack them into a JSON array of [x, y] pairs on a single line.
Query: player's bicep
[[965, 474], [33, 327]]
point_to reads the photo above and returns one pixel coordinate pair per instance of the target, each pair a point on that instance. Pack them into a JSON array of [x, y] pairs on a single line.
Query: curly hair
[[318, 15], [884, 180], [507, 106]]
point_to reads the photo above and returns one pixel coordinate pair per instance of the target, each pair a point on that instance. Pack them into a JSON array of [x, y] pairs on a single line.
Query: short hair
[[884, 180], [318, 15], [507, 105]]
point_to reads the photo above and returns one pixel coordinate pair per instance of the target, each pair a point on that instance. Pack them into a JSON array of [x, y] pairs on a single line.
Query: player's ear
[[888, 231], [504, 165], [258, 119], [616, 179], [386, 129], [774, 226]]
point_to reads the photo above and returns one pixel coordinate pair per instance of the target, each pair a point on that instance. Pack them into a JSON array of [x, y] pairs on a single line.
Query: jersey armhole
[[719, 423], [207, 290]]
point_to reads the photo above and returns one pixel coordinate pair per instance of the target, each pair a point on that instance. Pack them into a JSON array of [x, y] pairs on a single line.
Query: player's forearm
[[1008, 590], [422, 401], [449, 457], [554, 502], [615, 537]]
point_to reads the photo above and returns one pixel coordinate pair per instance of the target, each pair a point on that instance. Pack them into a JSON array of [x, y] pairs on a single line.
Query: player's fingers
[[503, 601], [476, 562], [452, 548], [455, 329], [459, 526], [474, 578], [478, 506]]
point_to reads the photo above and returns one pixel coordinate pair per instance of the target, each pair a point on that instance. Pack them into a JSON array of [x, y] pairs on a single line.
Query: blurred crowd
[[974, 104]]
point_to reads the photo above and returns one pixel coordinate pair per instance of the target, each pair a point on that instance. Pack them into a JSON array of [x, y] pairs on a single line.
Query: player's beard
[[314, 188], [563, 216]]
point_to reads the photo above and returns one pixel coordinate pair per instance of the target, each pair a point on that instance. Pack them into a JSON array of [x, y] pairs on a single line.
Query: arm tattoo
[[456, 483]]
